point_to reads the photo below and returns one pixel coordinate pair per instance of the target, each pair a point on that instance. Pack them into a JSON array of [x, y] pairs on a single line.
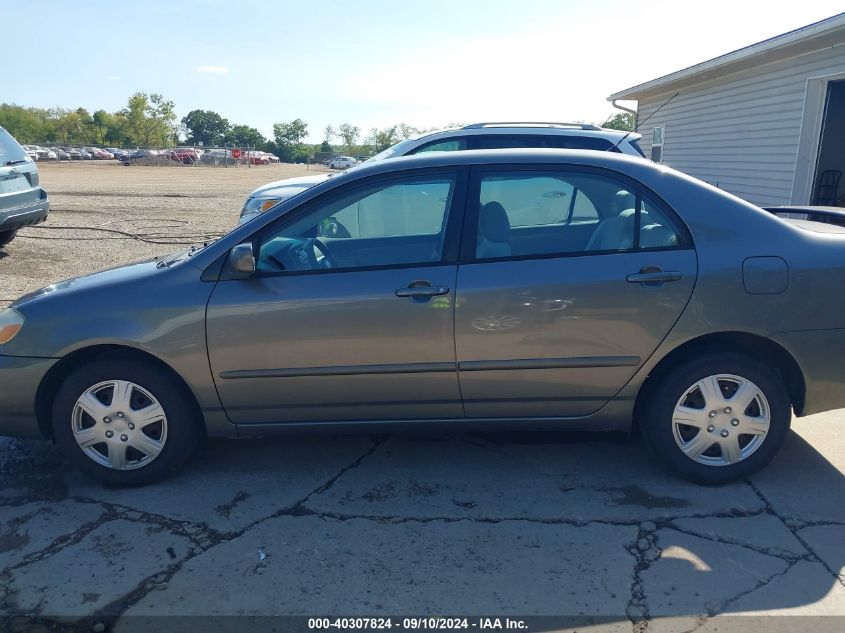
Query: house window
[[657, 137]]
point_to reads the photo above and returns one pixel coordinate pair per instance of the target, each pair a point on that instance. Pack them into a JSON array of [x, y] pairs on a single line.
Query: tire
[[6, 237], [732, 455], [167, 442]]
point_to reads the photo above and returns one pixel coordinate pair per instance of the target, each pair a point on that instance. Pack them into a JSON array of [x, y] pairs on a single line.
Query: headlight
[[258, 205], [11, 322]]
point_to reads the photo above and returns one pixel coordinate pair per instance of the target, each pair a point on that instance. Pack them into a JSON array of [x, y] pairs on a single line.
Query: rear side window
[[526, 213], [557, 141], [579, 142]]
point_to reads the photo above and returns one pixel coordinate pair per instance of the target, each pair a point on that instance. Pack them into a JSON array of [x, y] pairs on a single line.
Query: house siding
[[740, 132]]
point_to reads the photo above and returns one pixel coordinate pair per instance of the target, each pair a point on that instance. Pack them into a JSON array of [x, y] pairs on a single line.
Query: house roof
[[824, 34]]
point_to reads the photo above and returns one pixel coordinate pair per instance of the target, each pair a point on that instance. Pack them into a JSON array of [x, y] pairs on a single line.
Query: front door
[[349, 314], [567, 284]]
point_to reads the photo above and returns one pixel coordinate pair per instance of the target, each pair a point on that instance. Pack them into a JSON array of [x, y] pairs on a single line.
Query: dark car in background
[[217, 157], [118, 153], [22, 200], [140, 154]]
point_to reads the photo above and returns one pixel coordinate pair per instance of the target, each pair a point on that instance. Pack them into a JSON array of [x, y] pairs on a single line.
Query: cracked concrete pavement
[[503, 524]]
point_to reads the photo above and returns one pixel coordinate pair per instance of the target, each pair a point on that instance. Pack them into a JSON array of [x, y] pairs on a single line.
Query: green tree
[[380, 140], [86, 131], [27, 125], [100, 123], [69, 127], [290, 133], [406, 131], [245, 135], [330, 133], [206, 127], [621, 121], [349, 133], [150, 119], [289, 137]]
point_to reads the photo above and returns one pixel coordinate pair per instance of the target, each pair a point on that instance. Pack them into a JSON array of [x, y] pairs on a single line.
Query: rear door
[[568, 281]]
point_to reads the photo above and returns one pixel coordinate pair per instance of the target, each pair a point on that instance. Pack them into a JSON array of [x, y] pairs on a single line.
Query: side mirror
[[242, 260]]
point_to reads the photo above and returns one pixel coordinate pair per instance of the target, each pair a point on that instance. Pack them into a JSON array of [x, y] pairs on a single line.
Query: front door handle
[[654, 277], [422, 289]]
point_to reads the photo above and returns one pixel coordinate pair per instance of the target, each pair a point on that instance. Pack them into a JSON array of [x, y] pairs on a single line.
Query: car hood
[[271, 188], [114, 276]]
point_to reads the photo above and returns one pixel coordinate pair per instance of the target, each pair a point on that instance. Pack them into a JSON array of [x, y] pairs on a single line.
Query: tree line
[[149, 120]]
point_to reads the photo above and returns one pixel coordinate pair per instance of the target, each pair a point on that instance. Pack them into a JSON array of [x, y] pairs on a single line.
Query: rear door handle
[[422, 291], [654, 277]]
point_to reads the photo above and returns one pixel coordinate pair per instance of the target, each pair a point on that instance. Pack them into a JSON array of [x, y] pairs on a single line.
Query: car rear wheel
[[124, 423], [716, 418], [6, 237]]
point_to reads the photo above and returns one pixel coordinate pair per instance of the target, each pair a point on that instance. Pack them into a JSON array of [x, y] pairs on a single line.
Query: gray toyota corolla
[[568, 289]]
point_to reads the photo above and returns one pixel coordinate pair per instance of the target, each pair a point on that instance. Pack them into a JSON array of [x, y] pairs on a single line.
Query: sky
[[373, 63]]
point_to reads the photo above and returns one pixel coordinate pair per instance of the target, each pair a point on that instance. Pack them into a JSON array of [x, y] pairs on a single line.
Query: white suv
[[475, 136], [342, 162]]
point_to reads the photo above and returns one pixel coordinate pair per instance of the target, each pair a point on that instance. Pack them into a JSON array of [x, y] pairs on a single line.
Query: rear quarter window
[[10, 151]]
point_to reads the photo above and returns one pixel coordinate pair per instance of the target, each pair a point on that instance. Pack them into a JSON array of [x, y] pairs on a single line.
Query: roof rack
[[582, 126]]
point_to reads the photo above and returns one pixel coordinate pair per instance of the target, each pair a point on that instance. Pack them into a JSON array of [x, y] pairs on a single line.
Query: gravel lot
[[517, 524], [178, 203]]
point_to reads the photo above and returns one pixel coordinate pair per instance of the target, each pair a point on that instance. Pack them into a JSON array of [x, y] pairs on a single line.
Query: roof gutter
[[628, 110]]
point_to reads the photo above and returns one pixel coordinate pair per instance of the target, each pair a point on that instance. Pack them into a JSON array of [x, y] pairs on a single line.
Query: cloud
[[213, 70], [113, 78]]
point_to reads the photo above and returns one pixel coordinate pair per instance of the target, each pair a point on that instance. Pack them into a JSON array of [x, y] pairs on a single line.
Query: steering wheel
[[328, 261]]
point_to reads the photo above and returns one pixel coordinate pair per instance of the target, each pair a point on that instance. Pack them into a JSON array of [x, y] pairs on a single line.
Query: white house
[[765, 122]]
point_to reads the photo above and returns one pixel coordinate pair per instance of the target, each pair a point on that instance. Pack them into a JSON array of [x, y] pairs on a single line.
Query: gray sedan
[[552, 288]]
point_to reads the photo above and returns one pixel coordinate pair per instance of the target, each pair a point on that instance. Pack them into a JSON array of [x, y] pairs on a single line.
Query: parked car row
[[184, 155], [36, 152]]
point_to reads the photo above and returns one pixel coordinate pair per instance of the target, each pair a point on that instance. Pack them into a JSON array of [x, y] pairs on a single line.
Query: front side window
[[399, 222], [523, 214]]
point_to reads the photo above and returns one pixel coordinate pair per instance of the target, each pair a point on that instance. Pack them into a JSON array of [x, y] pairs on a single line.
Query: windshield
[[394, 150], [10, 151]]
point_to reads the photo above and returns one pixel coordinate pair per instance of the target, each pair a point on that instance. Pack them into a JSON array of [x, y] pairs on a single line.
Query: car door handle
[[654, 277], [422, 291]]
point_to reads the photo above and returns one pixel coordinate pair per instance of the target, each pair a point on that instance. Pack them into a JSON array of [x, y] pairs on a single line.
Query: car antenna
[[643, 121]]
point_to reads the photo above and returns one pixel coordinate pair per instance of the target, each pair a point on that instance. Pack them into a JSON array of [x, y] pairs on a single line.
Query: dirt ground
[[169, 204]]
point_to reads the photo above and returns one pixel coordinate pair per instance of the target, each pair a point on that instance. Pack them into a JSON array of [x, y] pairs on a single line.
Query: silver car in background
[[22, 200], [480, 289], [475, 136]]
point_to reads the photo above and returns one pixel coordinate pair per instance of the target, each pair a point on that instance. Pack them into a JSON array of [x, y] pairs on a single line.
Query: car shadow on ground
[[589, 522]]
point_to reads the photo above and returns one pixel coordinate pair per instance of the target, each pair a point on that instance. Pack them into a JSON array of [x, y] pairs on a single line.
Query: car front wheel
[[123, 422], [717, 418]]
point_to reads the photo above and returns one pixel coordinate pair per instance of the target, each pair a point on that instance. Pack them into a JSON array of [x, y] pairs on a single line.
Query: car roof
[[510, 129], [497, 156]]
